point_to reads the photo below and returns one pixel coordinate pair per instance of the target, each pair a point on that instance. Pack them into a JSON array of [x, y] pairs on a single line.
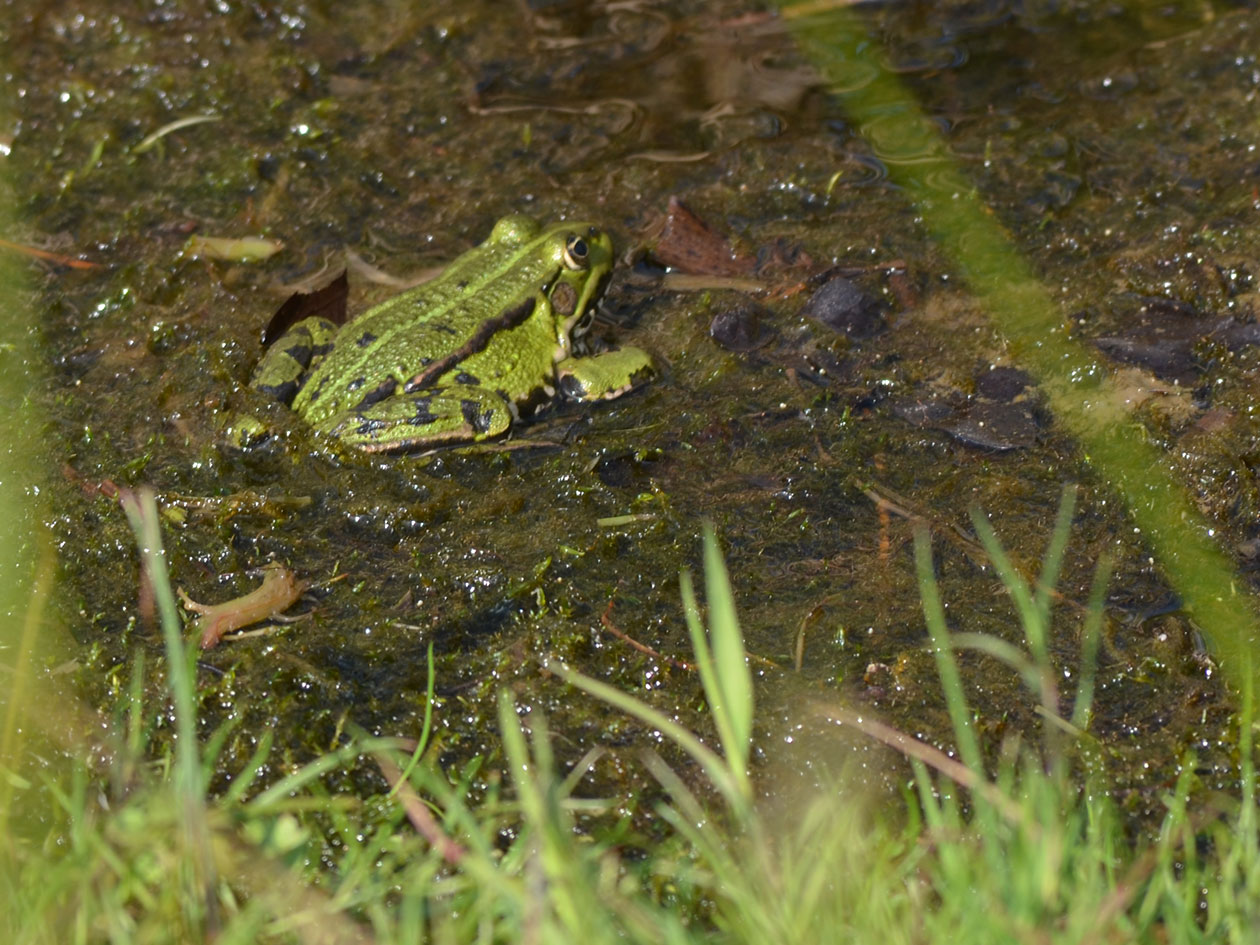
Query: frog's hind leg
[[424, 419], [283, 366]]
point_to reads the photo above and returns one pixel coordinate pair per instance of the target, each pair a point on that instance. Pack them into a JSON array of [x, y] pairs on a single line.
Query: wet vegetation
[[894, 263]]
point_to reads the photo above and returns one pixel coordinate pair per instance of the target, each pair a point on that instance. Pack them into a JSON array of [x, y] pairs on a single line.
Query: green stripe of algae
[[1020, 307]]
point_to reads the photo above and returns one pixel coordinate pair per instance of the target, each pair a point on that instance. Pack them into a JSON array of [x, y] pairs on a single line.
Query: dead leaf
[[328, 302], [690, 245]]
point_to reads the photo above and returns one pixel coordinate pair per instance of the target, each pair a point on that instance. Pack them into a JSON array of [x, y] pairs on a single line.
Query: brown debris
[[280, 588], [688, 244], [328, 302]]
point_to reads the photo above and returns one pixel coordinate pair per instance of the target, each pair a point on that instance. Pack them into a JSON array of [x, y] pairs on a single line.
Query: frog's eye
[[576, 253]]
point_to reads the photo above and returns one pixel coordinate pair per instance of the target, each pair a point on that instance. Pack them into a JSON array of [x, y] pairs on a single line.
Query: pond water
[[825, 382]]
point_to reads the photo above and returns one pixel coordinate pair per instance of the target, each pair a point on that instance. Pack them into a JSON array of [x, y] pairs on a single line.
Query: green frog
[[501, 332]]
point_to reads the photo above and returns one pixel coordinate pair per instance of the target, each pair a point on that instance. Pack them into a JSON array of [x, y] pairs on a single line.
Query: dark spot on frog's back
[[300, 353], [423, 415], [571, 387], [365, 339], [463, 377], [478, 419], [367, 427], [382, 390], [283, 392]]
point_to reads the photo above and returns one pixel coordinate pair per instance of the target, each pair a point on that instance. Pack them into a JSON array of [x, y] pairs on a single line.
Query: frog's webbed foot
[[442, 416], [606, 375]]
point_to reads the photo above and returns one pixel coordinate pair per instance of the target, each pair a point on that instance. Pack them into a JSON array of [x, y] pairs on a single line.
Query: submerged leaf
[[244, 249]]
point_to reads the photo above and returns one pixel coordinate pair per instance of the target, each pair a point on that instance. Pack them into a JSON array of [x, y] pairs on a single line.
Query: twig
[[606, 620], [58, 258]]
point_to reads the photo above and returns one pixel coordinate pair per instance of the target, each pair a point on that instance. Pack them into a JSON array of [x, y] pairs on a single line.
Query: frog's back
[[398, 338]]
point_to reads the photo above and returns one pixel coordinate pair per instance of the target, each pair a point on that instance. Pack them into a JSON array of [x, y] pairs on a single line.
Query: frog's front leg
[[439, 416], [293, 355], [604, 376]]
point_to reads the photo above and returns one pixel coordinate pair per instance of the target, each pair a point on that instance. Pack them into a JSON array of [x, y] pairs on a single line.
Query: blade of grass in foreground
[[142, 513], [722, 663], [724, 674], [27, 556], [715, 767]]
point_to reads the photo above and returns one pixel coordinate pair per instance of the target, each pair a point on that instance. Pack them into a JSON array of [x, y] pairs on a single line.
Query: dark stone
[[1171, 359], [1240, 336], [922, 412], [996, 427], [842, 306], [742, 327], [1002, 383]]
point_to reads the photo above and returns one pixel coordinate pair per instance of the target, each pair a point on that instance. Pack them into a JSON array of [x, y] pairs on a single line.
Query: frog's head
[[585, 257]]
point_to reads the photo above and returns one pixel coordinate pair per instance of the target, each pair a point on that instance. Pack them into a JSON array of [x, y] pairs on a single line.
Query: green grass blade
[[142, 513], [999, 649], [733, 788], [279, 792], [247, 775], [199, 901], [426, 727], [1014, 582], [730, 662], [1091, 637], [1052, 563], [721, 661], [942, 649]]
